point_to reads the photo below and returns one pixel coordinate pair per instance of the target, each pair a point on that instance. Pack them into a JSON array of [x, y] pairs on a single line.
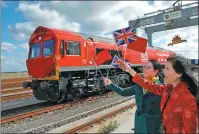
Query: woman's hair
[[157, 66], [181, 65]]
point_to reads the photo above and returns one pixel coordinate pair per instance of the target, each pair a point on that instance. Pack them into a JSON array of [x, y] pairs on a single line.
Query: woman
[[147, 116], [179, 100]]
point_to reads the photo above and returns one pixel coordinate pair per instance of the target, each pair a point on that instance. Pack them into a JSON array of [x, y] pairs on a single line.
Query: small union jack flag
[[115, 61], [125, 36]]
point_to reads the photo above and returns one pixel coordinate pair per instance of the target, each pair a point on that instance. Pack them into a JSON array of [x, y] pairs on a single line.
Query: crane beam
[[162, 27], [162, 17], [168, 19]]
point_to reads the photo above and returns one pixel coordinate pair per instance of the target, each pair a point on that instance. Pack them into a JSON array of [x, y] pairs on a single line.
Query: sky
[[20, 18]]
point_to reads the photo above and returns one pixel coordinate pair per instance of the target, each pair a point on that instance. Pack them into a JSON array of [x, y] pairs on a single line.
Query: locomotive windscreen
[[112, 52]]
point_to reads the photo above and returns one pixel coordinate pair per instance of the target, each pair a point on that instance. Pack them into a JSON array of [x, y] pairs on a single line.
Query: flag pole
[[108, 70], [118, 51], [125, 52], [97, 67], [122, 49], [110, 66]]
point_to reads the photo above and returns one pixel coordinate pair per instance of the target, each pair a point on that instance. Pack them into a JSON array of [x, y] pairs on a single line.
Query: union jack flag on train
[[125, 36], [115, 61]]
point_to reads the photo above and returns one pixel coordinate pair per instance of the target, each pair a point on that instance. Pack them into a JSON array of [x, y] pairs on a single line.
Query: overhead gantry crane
[[172, 18]]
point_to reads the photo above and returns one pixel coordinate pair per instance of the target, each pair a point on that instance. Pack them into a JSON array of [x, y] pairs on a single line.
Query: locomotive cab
[[41, 60]]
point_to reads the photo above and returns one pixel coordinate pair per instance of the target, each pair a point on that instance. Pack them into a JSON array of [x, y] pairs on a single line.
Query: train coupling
[[26, 84], [44, 85]]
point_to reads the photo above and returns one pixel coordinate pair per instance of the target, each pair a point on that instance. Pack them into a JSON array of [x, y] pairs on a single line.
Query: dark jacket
[[147, 115]]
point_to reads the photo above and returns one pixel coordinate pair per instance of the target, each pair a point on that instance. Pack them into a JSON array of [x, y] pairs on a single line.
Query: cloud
[[37, 15], [86, 16], [8, 60], [161, 5], [11, 59], [2, 57], [98, 18], [101, 16], [23, 61], [21, 31], [13, 64], [8, 46], [25, 46]]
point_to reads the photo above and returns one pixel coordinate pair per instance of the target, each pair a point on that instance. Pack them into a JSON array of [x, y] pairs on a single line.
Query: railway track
[[15, 79], [12, 83], [15, 90], [20, 117], [11, 89], [99, 120], [15, 96]]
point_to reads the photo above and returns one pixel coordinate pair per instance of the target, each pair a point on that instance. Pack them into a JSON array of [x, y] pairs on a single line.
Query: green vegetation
[[105, 129]]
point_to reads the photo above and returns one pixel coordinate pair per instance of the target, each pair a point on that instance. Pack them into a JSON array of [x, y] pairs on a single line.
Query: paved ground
[[126, 122]]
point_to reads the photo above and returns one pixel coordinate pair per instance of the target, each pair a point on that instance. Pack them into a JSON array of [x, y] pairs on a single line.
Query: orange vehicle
[[60, 63]]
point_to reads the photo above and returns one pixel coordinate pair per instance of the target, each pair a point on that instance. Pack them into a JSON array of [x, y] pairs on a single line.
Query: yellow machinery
[[177, 39]]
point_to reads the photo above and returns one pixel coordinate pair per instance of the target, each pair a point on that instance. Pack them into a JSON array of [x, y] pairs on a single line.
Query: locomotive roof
[[97, 38], [85, 36], [77, 35]]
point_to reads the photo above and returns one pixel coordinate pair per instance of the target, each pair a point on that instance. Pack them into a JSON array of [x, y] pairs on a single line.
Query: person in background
[[147, 115], [179, 98]]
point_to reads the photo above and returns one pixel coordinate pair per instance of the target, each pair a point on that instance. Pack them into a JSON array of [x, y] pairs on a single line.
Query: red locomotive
[[60, 63]]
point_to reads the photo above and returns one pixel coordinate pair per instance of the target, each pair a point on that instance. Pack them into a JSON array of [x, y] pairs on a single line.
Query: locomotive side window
[[35, 50], [61, 49], [49, 46], [73, 48]]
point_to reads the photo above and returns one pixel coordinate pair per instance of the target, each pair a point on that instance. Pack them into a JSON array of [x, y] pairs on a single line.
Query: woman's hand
[[107, 81], [126, 67]]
